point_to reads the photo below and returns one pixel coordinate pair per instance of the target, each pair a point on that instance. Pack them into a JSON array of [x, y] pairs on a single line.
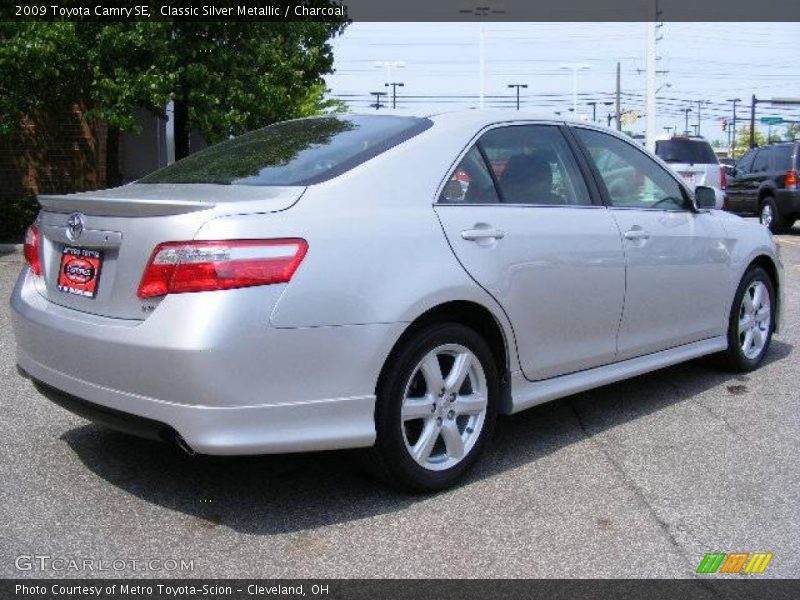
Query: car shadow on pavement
[[269, 495]]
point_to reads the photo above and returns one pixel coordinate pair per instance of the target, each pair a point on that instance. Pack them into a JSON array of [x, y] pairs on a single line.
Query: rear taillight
[[177, 267], [31, 249], [790, 180], [723, 178]]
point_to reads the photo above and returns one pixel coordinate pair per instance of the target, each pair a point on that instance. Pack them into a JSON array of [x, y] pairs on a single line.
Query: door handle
[[637, 233], [473, 235]]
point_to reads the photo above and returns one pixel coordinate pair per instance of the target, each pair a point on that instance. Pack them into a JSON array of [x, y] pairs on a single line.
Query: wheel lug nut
[[451, 414], [438, 420]]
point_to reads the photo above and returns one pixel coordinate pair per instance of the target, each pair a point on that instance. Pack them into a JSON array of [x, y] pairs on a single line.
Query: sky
[[711, 62]]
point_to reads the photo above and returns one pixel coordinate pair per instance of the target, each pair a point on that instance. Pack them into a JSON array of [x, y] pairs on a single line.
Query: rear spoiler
[[108, 206]]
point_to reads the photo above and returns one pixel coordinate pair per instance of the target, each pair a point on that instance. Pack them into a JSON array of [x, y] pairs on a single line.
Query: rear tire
[[770, 217], [751, 322], [436, 408]]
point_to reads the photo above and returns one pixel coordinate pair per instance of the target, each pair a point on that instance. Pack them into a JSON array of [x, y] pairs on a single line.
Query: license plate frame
[[79, 271]]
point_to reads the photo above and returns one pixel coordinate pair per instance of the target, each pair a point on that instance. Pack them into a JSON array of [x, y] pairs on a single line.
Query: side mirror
[[705, 197]]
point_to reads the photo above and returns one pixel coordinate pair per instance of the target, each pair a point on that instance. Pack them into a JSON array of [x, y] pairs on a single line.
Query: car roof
[[473, 116]]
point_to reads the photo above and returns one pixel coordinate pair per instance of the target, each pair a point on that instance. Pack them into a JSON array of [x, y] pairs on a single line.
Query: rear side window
[[301, 152], [761, 162], [745, 164], [686, 151], [782, 157]]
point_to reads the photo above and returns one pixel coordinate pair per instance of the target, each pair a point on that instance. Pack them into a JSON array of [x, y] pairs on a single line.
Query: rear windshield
[[686, 151], [300, 152]]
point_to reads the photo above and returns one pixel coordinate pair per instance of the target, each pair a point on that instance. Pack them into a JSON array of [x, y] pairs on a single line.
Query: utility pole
[[377, 95], [650, 79], [733, 138], [593, 104], [686, 112], [518, 86], [753, 102], [618, 112], [609, 117], [394, 85]]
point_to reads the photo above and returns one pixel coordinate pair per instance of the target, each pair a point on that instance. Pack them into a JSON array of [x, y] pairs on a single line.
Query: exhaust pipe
[[181, 443]]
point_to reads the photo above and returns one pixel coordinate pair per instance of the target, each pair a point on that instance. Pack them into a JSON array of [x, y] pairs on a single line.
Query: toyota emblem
[[74, 226]]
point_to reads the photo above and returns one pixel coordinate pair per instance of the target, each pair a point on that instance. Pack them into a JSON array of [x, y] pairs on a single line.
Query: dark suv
[[764, 183]]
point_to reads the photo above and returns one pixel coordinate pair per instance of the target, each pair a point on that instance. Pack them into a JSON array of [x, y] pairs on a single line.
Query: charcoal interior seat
[[528, 179]]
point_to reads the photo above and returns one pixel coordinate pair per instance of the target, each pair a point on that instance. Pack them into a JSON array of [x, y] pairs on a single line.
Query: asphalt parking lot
[[637, 479]]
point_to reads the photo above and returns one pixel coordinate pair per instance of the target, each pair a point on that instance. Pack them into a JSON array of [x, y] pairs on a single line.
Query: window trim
[[688, 195], [594, 196]]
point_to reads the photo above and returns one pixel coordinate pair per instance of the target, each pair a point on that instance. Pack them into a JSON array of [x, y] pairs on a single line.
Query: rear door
[[762, 168], [677, 259], [520, 218]]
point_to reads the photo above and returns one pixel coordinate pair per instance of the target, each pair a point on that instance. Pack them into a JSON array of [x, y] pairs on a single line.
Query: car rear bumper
[[250, 389]]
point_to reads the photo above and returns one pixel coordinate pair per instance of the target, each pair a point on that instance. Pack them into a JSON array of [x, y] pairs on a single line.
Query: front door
[[521, 221], [677, 273]]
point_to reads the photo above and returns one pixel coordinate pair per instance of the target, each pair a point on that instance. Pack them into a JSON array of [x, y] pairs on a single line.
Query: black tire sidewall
[[735, 353], [398, 467], [778, 222]]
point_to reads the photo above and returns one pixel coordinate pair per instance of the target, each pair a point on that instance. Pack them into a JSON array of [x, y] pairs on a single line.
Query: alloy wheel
[[444, 407], [755, 319], [766, 214]]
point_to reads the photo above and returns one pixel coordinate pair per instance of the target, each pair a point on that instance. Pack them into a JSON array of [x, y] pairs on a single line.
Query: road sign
[[771, 120]]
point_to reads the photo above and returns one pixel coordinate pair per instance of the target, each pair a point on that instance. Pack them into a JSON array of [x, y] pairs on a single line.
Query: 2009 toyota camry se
[[386, 282]]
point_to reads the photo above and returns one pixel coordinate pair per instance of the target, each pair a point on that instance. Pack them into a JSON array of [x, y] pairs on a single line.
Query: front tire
[[436, 408], [752, 321], [770, 217]]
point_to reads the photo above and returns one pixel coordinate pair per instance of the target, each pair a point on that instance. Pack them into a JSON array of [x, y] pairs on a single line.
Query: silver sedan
[[383, 282]]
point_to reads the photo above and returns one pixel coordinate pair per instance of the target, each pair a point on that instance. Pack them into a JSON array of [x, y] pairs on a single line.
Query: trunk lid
[[123, 225]]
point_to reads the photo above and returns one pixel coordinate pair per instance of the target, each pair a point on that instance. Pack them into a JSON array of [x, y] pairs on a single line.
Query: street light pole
[[593, 104], [518, 86], [686, 112], [575, 67], [394, 85], [377, 95]]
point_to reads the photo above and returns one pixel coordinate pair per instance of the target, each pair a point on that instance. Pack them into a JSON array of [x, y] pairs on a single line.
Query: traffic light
[[724, 124]]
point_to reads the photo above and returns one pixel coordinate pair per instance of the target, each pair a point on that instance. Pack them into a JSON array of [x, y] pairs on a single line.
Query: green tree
[[224, 78], [792, 132], [743, 140]]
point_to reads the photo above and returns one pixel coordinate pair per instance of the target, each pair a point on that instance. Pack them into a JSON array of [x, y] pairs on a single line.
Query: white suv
[[694, 160]]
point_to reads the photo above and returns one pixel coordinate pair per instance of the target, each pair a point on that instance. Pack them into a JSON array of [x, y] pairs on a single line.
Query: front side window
[[519, 164], [300, 152], [632, 179]]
